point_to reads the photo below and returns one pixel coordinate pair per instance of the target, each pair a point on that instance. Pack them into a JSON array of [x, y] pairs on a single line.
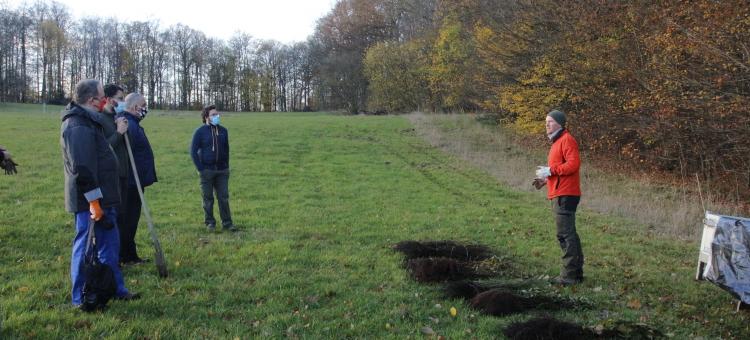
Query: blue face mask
[[120, 107], [214, 120]]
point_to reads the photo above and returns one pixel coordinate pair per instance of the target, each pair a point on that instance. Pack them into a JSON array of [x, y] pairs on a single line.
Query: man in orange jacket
[[562, 177]]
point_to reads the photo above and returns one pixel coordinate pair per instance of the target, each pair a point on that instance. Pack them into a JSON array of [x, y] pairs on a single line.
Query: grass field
[[320, 199]]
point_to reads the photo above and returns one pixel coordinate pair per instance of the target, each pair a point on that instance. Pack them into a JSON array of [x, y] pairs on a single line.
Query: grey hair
[[133, 99], [85, 90]]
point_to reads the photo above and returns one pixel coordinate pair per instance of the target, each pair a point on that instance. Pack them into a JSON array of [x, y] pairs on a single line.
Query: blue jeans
[[107, 245]]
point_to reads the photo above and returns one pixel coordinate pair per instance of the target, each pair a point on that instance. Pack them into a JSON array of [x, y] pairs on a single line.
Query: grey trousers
[[564, 209], [216, 181]]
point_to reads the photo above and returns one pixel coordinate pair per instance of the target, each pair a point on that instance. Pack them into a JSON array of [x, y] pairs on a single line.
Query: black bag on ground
[[100, 285]]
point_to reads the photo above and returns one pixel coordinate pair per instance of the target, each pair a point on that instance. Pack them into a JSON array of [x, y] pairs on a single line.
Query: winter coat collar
[[73, 109]]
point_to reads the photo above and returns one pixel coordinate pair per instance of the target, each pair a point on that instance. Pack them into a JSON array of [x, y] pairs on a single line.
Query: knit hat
[[558, 116]]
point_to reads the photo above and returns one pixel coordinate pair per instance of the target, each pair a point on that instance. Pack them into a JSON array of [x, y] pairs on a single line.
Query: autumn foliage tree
[[398, 76], [653, 85]]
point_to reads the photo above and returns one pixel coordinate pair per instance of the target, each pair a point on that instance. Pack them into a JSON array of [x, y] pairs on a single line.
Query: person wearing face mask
[[91, 185], [143, 156], [115, 126], [210, 153]]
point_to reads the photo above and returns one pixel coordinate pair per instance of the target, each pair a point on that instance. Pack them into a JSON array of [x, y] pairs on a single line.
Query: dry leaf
[[635, 304]]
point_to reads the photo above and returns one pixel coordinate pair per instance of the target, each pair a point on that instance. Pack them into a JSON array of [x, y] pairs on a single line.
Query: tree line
[[44, 52], [659, 85], [648, 85]]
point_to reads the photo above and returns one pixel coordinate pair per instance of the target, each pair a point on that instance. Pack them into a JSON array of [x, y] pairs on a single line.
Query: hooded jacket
[[564, 162], [89, 164], [210, 148]]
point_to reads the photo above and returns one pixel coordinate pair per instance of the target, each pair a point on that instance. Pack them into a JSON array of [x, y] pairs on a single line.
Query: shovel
[[161, 264]]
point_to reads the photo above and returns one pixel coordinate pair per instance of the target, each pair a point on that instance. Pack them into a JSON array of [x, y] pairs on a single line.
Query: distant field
[[320, 199]]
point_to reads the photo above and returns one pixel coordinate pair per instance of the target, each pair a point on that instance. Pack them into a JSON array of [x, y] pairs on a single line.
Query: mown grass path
[[320, 199]]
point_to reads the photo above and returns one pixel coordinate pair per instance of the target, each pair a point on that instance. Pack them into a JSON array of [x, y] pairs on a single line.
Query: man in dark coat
[[115, 126], [143, 156], [91, 185]]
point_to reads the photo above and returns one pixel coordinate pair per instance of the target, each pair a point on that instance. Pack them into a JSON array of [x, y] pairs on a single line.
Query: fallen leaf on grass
[[635, 304]]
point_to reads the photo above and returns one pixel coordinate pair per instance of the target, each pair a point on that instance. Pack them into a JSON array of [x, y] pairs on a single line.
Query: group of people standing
[[103, 143], [107, 157]]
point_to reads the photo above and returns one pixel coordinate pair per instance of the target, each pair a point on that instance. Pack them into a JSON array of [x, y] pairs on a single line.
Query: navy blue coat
[[142, 153], [210, 148]]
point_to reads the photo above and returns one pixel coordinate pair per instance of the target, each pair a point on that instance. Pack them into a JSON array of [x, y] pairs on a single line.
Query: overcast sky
[[282, 20]]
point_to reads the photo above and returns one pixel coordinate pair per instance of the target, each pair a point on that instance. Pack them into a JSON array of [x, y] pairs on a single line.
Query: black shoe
[[211, 228], [128, 297], [231, 228], [565, 282]]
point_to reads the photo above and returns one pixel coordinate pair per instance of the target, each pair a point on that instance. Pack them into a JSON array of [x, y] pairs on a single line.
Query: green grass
[[320, 198]]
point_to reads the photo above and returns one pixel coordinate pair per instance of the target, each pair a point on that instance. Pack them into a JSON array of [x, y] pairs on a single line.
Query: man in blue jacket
[[91, 185], [135, 111], [210, 153]]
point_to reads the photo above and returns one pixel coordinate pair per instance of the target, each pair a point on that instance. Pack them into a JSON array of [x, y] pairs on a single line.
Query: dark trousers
[[564, 209], [121, 208], [132, 214], [216, 181]]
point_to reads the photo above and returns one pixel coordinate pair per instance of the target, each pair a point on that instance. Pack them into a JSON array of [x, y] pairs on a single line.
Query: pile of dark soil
[[546, 328], [449, 249], [501, 302], [467, 289], [439, 269]]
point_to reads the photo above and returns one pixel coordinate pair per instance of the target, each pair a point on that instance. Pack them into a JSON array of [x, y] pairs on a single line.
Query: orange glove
[[96, 211]]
